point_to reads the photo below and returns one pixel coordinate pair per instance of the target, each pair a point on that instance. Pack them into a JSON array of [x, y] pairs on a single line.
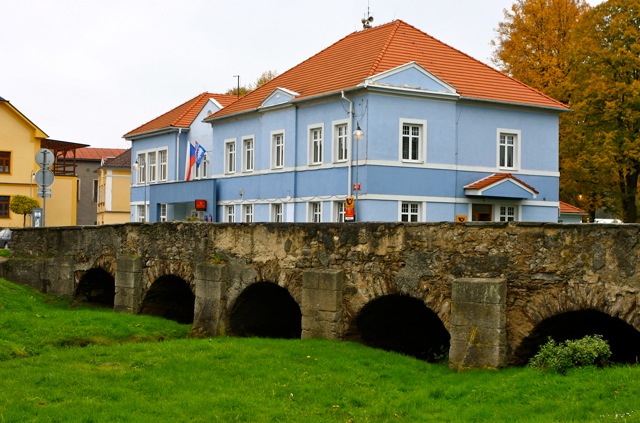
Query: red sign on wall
[[201, 205]]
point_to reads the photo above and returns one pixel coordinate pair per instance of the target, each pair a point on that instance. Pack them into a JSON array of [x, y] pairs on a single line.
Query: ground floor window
[[339, 211], [230, 213], [481, 212], [315, 212], [247, 213], [277, 214], [4, 206], [163, 213], [141, 209], [409, 212], [507, 213]]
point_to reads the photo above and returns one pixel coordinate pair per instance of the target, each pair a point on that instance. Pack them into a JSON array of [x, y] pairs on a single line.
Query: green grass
[[268, 380]]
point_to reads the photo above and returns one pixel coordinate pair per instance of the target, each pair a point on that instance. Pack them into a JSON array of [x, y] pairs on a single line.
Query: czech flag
[[196, 155]]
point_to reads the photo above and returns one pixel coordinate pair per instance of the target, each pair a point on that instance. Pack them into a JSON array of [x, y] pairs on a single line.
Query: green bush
[[591, 350]]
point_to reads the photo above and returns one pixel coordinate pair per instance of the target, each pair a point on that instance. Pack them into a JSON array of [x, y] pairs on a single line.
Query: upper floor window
[[141, 172], [247, 154], [412, 140], [508, 149], [507, 214], [201, 171], [230, 156], [230, 213], [247, 213], [277, 150], [4, 206], [315, 212], [5, 162], [409, 212], [315, 145], [277, 214], [151, 160], [163, 161], [341, 141]]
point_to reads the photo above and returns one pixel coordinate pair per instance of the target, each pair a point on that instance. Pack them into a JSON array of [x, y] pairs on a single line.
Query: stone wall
[[544, 269]]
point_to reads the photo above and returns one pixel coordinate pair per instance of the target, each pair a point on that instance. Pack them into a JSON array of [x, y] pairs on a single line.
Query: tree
[[21, 204], [604, 92], [246, 89], [533, 43]]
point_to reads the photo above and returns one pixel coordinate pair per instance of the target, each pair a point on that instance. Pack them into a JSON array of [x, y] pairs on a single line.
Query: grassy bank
[[267, 380]]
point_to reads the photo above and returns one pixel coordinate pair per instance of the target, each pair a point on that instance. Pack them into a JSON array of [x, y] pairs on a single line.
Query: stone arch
[[610, 308], [623, 338], [403, 324], [267, 310], [170, 297], [96, 286]]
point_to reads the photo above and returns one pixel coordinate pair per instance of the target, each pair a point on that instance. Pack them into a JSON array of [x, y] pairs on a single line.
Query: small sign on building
[[349, 210], [201, 205]]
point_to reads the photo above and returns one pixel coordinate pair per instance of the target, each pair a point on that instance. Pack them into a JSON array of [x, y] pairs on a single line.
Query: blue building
[[387, 124]]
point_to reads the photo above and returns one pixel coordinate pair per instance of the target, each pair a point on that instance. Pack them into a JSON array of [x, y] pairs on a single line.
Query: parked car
[[5, 238]]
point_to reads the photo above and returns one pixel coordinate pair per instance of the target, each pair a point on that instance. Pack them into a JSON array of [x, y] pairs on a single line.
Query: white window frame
[[141, 212], [247, 213], [316, 145], [248, 153], [277, 212], [201, 171], [341, 142], [339, 211], [230, 213], [314, 211], [162, 212], [163, 163], [515, 148], [141, 173], [152, 160], [507, 213], [421, 155], [230, 156], [413, 209], [277, 149]]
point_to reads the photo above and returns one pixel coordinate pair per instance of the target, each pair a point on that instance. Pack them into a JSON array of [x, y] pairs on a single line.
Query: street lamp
[[357, 134], [136, 167]]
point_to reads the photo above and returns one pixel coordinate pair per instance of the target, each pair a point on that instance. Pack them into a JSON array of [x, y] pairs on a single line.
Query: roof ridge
[[383, 50], [195, 100]]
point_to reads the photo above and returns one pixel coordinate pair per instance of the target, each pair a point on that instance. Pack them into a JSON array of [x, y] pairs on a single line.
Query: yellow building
[[114, 184], [20, 140]]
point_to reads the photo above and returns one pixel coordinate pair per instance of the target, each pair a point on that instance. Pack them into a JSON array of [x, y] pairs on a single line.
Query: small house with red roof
[[386, 124], [161, 150]]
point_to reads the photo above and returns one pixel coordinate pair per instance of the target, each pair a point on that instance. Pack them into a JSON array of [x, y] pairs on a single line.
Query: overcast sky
[[88, 72]]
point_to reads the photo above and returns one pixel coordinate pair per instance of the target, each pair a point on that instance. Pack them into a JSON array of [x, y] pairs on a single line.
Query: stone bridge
[[483, 294]]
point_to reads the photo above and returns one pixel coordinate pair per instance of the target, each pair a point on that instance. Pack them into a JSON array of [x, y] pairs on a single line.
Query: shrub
[[591, 350]]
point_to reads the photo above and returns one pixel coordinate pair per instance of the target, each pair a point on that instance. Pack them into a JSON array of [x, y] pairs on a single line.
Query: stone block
[[310, 279], [129, 264], [478, 336], [211, 272], [479, 290], [482, 315], [329, 300], [464, 355], [127, 279]]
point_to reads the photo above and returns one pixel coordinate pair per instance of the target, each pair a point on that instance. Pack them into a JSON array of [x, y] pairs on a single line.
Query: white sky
[[88, 72]]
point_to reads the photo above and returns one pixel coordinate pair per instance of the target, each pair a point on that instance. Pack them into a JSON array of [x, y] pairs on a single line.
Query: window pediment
[[411, 76], [279, 96]]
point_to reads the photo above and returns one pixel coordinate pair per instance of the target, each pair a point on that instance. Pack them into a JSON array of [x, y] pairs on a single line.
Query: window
[[412, 140], [151, 160], [230, 156], [162, 213], [340, 141], [409, 212], [277, 151], [508, 149], [230, 213], [481, 212], [201, 171], [5, 162], [507, 214], [162, 159], [4, 206], [277, 214], [247, 154], [315, 145], [141, 213], [141, 176], [247, 213], [94, 194], [339, 211], [315, 212]]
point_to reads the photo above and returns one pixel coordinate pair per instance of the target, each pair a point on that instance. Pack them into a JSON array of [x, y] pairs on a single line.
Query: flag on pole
[[191, 160], [200, 152]]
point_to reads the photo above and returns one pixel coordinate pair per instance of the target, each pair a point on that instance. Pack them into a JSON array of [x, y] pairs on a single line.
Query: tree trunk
[[629, 197]]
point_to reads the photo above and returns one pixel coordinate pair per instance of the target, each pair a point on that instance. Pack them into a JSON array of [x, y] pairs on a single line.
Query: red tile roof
[[123, 160], [494, 179], [568, 208], [98, 153], [183, 115], [369, 52]]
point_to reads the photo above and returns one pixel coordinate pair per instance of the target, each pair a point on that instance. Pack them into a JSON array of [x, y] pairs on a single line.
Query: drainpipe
[[351, 138], [178, 154]]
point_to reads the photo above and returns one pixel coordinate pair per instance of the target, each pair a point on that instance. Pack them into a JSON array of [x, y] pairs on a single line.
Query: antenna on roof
[[366, 21]]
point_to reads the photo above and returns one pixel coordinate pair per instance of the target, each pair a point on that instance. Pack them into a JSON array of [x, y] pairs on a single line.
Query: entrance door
[[481, 212]]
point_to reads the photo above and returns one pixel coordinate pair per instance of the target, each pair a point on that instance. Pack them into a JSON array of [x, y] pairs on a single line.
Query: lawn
[[59, 363]]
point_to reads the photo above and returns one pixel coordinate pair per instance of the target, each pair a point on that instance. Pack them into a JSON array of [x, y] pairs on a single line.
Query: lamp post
[[357, 134], [136, 167]]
